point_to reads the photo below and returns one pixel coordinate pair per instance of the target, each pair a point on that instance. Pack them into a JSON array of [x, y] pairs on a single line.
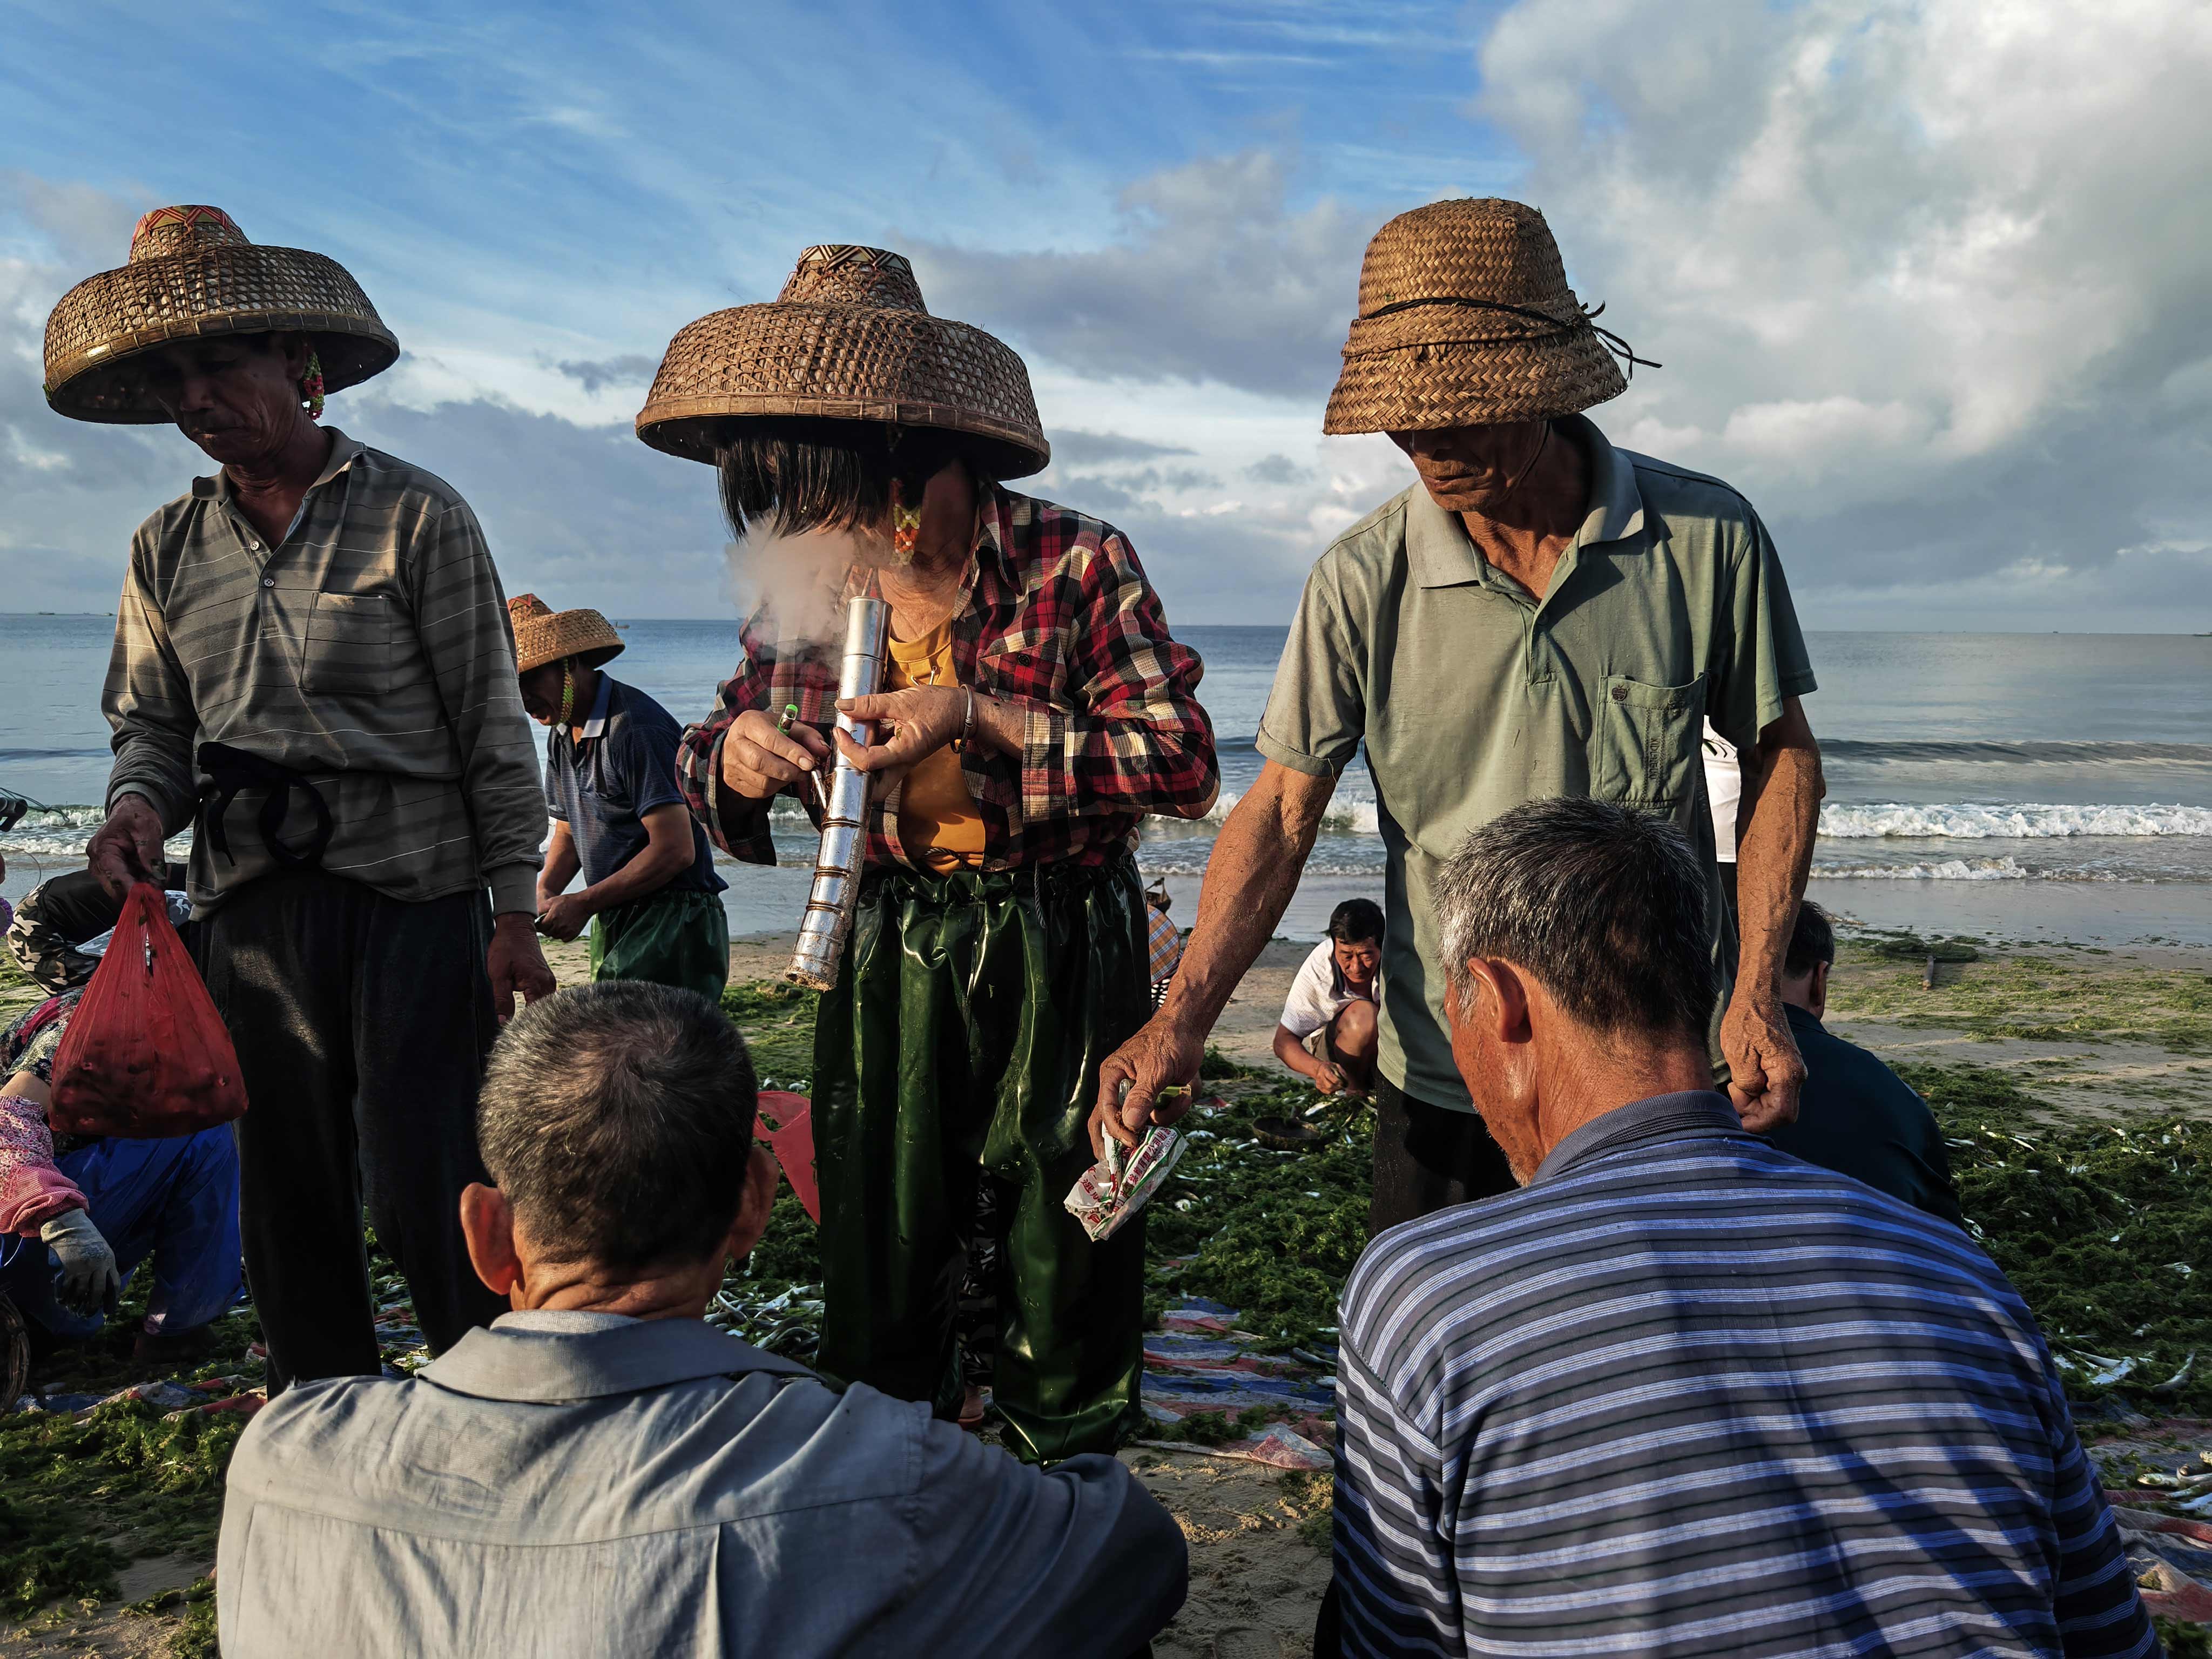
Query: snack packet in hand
[[1116, 1187]]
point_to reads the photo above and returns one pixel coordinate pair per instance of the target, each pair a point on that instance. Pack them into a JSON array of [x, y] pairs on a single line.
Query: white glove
[[89, 1283]]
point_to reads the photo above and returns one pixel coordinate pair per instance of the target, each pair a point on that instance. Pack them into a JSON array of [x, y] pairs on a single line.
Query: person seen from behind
[[1539, 612], [1327, 1031], [1855, 1115], [602, 1471], [1682, 1394], [650, 896]]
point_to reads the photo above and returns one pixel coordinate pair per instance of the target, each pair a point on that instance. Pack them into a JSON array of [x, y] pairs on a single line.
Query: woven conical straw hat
[[1466, 318], [542, 634], [192, 274], [848, 339]]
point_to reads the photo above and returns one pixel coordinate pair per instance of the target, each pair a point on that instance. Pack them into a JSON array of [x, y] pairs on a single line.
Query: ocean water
[[2079, 760]]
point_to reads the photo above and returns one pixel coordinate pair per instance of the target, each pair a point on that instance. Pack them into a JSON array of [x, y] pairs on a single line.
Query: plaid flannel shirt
[[1056, 617]]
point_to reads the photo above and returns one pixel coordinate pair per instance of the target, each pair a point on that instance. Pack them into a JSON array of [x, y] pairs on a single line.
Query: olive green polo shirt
[[1668, 607]]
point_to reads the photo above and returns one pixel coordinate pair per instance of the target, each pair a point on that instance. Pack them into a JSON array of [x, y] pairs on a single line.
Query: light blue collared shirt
[[572, 1484]]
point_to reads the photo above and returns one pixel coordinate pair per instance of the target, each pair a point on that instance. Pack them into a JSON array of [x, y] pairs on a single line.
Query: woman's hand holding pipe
[[918, 720], [911, 723], [760, 761]]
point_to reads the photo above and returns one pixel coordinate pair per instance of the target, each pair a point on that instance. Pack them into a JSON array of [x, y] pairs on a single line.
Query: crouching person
[[601, 1471], [1682, 1394], [80, 1213]]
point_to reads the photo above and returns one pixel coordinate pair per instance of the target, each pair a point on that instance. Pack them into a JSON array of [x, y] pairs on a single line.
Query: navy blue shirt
[[1684, 1394], [1859, 1118], [603, 785]]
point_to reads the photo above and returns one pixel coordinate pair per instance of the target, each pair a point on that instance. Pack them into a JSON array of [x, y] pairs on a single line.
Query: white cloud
[[1927, 276], [1213, 277]]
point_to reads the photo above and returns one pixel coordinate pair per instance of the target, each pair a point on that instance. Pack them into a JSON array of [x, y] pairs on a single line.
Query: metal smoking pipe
[[836, 888]]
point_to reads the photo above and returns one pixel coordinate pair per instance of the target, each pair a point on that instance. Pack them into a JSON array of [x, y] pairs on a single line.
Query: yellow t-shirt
[[938, 820]]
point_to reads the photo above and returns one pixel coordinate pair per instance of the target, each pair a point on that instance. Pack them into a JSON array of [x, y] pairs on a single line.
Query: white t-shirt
[[1318, 994], [1723, 791]]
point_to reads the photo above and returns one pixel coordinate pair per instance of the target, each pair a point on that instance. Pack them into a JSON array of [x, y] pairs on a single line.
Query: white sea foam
[[62, 831], [1964, 870], [1945, 870], [1343, 818], [2023, 821], [1967, 821]]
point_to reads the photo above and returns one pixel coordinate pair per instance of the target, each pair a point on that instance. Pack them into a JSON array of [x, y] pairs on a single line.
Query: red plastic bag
[[145, 1054]]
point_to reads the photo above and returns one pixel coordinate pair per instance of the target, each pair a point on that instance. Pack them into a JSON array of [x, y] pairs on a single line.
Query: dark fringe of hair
[[1356, 921], [797, 475], [1812, 941]]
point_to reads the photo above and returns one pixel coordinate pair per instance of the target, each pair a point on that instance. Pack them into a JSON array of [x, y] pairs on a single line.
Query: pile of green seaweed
[[2105, 1227]]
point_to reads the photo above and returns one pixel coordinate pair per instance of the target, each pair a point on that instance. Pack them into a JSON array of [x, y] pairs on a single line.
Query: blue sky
[[1845, 269]]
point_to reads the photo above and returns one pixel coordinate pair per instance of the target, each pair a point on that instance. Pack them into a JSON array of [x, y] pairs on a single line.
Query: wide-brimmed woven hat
[[542, 634], [848, 339], [1466, 318], [193, 273]]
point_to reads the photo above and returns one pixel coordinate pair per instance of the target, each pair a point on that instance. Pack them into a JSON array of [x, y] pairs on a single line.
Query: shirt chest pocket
[[348, 647], [1645, 749]]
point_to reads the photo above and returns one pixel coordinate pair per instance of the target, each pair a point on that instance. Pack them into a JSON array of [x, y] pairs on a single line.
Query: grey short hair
[[1606, 906], [618, 1118]]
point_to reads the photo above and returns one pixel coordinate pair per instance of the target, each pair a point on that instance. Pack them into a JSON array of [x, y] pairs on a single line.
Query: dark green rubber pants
[[680, 938], [965, 1034]]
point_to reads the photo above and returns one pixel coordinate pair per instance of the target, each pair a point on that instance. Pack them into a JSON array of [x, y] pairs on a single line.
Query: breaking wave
[[1943, 870], [2024, 821]]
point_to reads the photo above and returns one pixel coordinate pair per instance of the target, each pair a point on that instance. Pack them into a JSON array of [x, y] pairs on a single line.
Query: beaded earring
[[906, 528], [567, 689], [311, 387]]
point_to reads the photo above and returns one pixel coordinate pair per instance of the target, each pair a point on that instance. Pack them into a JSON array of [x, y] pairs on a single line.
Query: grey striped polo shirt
[[1686, 1394], [370, 649]]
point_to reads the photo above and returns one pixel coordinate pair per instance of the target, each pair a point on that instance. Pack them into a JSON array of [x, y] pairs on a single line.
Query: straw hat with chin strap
[[542, 634], [848, 339], [1466, 319], [192, 274]]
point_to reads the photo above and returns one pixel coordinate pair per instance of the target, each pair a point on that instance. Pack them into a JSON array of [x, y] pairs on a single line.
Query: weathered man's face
[[541, 692], [1472, 469], [237, 396], [1358, 959]]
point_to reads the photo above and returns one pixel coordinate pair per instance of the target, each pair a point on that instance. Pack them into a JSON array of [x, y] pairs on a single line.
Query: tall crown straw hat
[[1466, 319], [192, 274], [542, 634], [848, 339]]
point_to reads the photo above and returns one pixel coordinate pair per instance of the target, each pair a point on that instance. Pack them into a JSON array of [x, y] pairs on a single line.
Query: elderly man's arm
[[1781, 814], [1396, 1579], [1255, 869], [460, 618], [1015, 1559], [148, 700], [2100, 1614]]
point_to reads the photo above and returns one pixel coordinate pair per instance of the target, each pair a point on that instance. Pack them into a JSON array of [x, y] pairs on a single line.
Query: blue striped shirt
[[1686, 1394]]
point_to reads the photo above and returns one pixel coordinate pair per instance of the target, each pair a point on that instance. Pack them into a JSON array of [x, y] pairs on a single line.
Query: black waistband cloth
[[965, 1034]]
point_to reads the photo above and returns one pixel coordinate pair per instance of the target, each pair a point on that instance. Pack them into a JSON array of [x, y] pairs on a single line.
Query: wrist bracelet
[[967, 723]]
